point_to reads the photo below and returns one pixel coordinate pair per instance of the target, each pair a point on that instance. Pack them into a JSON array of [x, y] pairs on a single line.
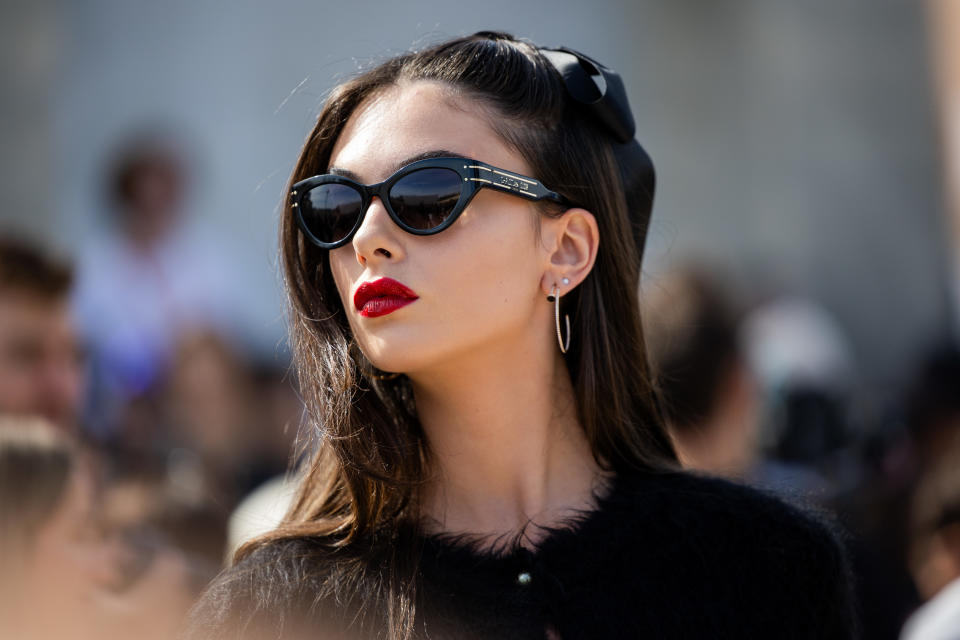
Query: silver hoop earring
[[554, 297]]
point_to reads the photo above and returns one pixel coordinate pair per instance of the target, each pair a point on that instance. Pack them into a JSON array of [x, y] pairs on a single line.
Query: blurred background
[[802, 259]]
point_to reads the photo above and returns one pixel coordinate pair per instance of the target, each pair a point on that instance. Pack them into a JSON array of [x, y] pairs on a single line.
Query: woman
[[490, 461]]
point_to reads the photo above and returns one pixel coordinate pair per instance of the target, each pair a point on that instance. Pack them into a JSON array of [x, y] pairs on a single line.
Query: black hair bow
[[599, 91], [597, 88]]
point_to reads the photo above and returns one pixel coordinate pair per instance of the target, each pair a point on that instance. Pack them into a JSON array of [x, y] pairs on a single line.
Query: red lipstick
[[383, 296]]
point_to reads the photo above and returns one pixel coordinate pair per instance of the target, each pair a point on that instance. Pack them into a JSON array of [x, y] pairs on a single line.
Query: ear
[[571, 241]]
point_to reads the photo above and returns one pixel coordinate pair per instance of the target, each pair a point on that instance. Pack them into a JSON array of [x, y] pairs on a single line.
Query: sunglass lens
[[330, 211], [425, 198]]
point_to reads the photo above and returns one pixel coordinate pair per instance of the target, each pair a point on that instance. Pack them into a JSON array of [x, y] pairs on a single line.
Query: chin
[[401, 345], [391, 359]]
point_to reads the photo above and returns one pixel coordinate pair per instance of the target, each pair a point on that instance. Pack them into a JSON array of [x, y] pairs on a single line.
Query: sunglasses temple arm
[[539, 192], [534, 192]]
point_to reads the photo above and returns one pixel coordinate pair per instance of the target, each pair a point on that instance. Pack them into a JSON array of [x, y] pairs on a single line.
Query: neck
[[507, 448]]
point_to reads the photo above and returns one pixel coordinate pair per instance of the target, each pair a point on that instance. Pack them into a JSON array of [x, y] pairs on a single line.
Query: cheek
[[345, 269], [498, 249], [489, 285], [489, 280]]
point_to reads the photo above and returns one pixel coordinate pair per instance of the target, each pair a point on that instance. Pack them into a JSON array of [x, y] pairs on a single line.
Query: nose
[[378, 238]]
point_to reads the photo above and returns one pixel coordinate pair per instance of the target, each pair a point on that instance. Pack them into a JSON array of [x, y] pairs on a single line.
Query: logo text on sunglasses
[[514, 183]]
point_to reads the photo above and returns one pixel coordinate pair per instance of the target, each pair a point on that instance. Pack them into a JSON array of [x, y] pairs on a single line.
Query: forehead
[[24, 313], [412, 118]]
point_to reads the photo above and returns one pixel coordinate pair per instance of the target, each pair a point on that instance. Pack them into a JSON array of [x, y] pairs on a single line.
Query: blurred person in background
[[927, 523], [935, 542], [805, 372], [903, 463], [62, 576], [708, 392], [281, 416], [157, 513], [43, 374], [41, 364], [932, 406], [758, 395], [218, 427], [212, 407], [221, 440], [150, 274]]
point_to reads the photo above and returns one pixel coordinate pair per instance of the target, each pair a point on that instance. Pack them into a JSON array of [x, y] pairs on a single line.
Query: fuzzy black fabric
[[664, 555]]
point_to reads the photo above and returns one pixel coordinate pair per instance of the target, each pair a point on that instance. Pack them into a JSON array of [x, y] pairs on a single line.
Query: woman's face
[[480, 283]]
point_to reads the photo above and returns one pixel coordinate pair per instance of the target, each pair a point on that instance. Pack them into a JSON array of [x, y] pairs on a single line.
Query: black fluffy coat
[[665, 555]]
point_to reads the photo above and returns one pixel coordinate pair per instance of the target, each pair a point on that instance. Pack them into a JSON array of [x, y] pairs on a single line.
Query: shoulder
[[714, 506], [724, 540]]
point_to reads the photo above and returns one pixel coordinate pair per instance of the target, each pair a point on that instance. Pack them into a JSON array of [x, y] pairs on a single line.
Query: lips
[[383, 296]]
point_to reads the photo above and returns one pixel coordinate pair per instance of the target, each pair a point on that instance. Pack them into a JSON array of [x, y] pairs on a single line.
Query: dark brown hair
[[25, 268], [369, 454], [691, 326], [152, 148]]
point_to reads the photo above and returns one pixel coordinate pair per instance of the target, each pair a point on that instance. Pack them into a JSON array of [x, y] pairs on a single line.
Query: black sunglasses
[[423, 198]]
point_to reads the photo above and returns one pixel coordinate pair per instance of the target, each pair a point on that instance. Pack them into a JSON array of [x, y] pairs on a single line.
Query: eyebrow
[[433, 153]]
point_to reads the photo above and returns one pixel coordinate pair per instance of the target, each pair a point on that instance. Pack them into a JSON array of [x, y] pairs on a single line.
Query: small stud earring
[[566, 281]]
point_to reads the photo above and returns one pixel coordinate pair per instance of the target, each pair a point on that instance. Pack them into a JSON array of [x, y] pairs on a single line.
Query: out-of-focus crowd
[[140, 441], [769, 393], [133, 417]]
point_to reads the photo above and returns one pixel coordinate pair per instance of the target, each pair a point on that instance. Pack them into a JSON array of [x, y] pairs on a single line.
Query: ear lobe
[[577, 240]]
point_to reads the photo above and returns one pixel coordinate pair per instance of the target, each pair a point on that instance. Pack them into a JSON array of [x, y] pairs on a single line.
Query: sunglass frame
[[475, 175]]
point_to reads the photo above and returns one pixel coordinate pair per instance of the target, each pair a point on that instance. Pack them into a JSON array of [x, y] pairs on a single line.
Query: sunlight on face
[[479, 281]]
